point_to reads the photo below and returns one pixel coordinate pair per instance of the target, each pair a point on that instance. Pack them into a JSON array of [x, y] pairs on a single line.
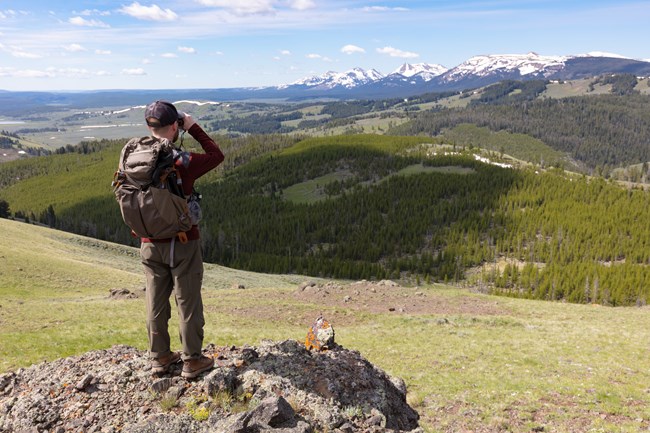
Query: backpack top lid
[[142, 157]]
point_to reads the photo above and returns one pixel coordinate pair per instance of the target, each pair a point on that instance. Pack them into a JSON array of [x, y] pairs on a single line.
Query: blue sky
[[85, 45]]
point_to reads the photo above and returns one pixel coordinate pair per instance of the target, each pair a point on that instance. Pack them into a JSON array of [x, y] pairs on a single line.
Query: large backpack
[[146, 188]]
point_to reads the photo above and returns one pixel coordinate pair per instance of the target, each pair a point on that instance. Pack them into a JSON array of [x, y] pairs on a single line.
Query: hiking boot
[[162, 364], [193, 367]]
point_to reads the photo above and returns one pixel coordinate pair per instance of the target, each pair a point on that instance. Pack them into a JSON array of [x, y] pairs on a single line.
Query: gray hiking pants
[[174, 268]]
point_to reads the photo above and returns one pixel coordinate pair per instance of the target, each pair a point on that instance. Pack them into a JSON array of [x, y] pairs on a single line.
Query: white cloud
[[149, 13], [285, 52], [382, 9], [351, 49], [103, 52], [50, 72], [25, 55], [89, 12], [252, 7], [79, 21], [187, 50], [71, 72], [242, 7], [302, 5], [18, 52], [30, 73], [134, 71], [146, 61], [318, 57], [74, 48], [25, 73], [394, 52], [169, 55], [10, 13]]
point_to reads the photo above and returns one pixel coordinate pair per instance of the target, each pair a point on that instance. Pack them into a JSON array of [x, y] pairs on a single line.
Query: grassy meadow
[[472, 362]]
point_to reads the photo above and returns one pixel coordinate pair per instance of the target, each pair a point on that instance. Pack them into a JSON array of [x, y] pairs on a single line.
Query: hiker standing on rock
[[175, 265]]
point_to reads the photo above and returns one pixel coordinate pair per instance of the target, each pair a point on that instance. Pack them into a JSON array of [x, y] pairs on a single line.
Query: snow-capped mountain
[[425, 70], [359, 77], [516, 65], [348, 79]]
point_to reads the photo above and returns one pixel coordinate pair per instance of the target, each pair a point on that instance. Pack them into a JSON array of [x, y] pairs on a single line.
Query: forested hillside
[[378, 207], [601, 131], [368, 224]]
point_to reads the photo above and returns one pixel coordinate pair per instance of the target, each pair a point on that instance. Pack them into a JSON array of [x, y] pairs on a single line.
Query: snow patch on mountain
[[199, 103], [426, 71], [348, 79], [601, 54], [524, 64]]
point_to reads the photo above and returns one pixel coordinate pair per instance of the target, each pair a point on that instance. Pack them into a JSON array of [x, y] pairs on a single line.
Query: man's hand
[[188, 121]]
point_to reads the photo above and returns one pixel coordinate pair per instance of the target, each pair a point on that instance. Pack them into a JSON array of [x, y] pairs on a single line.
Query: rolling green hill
[[378, 207]]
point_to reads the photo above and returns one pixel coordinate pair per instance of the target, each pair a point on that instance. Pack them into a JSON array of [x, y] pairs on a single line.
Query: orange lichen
[[312, 341]]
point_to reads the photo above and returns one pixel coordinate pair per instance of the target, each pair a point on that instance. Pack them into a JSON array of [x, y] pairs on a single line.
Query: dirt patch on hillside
[[388, 296], [7, 155], [342, 303]]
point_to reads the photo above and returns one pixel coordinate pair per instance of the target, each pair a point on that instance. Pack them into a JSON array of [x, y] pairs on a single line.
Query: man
[[175, 265]]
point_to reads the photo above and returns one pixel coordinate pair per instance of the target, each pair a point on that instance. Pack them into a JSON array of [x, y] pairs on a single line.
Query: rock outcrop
[[275, 387]]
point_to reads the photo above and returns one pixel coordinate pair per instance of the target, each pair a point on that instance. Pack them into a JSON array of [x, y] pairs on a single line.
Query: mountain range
[[356, 83], [474, 72]]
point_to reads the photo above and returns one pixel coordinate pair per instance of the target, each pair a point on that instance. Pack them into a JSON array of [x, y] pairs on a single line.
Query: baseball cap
[[161, 113]]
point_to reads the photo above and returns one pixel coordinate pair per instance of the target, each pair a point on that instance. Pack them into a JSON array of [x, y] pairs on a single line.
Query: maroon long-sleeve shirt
[[198, 165]]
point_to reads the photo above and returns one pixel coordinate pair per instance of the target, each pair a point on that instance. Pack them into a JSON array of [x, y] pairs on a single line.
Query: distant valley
[[48, 121]]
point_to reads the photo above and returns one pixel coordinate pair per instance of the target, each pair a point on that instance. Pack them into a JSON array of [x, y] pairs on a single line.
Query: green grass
[[387, 144], [643, 86], [312, 190], [379, 124], [473, 363], [579, 87], [419, 168]]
